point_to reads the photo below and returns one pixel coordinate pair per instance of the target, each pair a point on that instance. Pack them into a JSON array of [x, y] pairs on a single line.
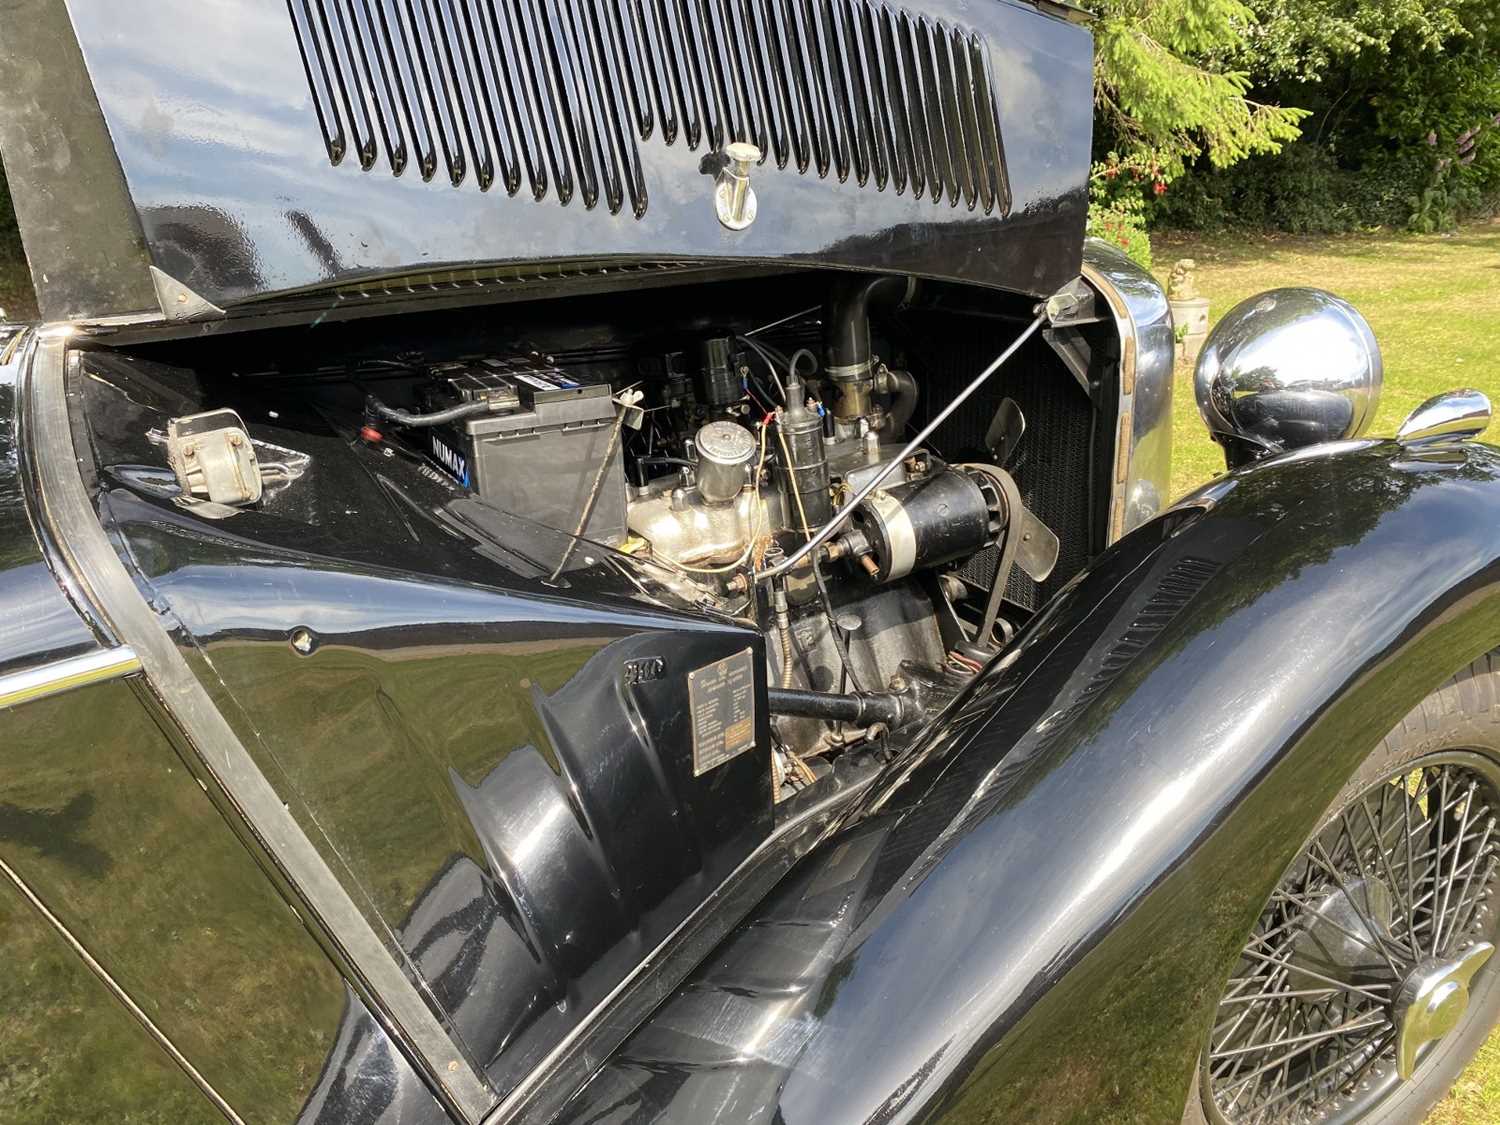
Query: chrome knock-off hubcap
[[1366, 954], [1432, 1001], [1339, 940]]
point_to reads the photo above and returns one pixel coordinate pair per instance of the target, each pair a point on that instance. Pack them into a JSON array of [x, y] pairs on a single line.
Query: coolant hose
[[903, 400], [846, 318]]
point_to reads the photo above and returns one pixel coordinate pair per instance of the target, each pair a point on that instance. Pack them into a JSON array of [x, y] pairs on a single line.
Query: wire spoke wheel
[[1363, 956]]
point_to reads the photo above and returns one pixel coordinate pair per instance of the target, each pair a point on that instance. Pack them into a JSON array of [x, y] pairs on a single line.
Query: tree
[[1162, 87], [1304, 40], [1164, 96], [1403, 91]]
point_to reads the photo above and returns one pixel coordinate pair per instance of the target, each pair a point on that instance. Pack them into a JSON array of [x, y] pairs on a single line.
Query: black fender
[[1035, 924]]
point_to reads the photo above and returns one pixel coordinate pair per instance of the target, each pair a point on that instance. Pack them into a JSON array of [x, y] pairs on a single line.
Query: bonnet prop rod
[[822, 534]]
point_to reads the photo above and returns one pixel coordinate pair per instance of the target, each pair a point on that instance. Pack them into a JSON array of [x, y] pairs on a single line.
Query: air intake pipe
[[846, 321]]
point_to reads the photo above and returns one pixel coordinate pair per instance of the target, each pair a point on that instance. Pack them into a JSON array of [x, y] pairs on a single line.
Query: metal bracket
[[1072, 304], [178, 302], [1073, 349], [1028, 543], [1066, 311], [734, 198]]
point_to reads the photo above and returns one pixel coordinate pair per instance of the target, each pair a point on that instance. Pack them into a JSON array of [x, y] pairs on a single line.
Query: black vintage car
[[602, 561]]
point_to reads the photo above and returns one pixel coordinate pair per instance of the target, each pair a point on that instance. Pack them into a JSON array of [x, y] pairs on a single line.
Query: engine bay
[[775, 453]]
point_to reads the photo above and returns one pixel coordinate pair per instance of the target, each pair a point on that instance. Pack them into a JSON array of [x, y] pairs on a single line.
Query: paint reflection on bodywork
[[100, 817], [72, 1053], [1067, 886], [522, 825]]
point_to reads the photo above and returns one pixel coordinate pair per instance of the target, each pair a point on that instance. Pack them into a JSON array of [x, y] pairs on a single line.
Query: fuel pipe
[[859, 708]]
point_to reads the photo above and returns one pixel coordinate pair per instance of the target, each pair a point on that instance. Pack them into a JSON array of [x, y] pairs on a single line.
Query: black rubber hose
[[379, 409], [795, 363], [846, 321], [903, 401], [860, 708]]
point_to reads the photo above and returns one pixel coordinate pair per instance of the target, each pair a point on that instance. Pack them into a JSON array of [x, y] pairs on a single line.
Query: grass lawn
[[1434, 303]]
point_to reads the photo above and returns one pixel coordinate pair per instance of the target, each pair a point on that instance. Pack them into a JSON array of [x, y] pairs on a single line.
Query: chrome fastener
[[734, 198]]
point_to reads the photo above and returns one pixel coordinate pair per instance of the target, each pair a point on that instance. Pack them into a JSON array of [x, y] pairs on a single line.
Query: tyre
[[1367, 983]]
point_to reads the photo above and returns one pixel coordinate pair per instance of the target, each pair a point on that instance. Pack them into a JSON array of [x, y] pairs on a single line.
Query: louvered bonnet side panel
[[554, 98], [271, 149]]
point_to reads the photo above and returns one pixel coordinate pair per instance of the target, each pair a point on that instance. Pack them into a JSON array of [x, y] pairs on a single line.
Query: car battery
[[537, 450]]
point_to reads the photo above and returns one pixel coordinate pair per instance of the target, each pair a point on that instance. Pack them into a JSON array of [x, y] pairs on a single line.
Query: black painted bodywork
[[1048, 885], [108, 840], [87, 1017], [460, 740], [1023, 911], [41, 625], [217, 165], [1035, 925]]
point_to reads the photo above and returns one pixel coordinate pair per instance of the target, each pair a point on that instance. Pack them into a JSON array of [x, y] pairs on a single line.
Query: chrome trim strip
[[1142, 468], [11, 347], [1125, 326], [363, 954], [120, 994], [65, 675]]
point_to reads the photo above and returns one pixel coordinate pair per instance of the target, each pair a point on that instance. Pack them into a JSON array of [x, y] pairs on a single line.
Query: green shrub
[[10, 238], [1404, 125], [1118, 190], [1448, 198], [1447, 115], [1124, 229], [1302, 190]]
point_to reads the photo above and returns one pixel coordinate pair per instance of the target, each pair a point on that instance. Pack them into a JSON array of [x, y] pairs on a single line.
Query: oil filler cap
[[725, 451]]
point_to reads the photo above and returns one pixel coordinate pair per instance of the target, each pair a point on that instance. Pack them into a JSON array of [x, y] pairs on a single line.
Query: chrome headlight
[[1286, 369]]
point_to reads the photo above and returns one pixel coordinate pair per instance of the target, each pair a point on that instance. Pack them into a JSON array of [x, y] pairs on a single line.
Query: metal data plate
[[721, 697]]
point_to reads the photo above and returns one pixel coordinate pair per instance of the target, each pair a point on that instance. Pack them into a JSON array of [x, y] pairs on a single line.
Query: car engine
[[712, 456]]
